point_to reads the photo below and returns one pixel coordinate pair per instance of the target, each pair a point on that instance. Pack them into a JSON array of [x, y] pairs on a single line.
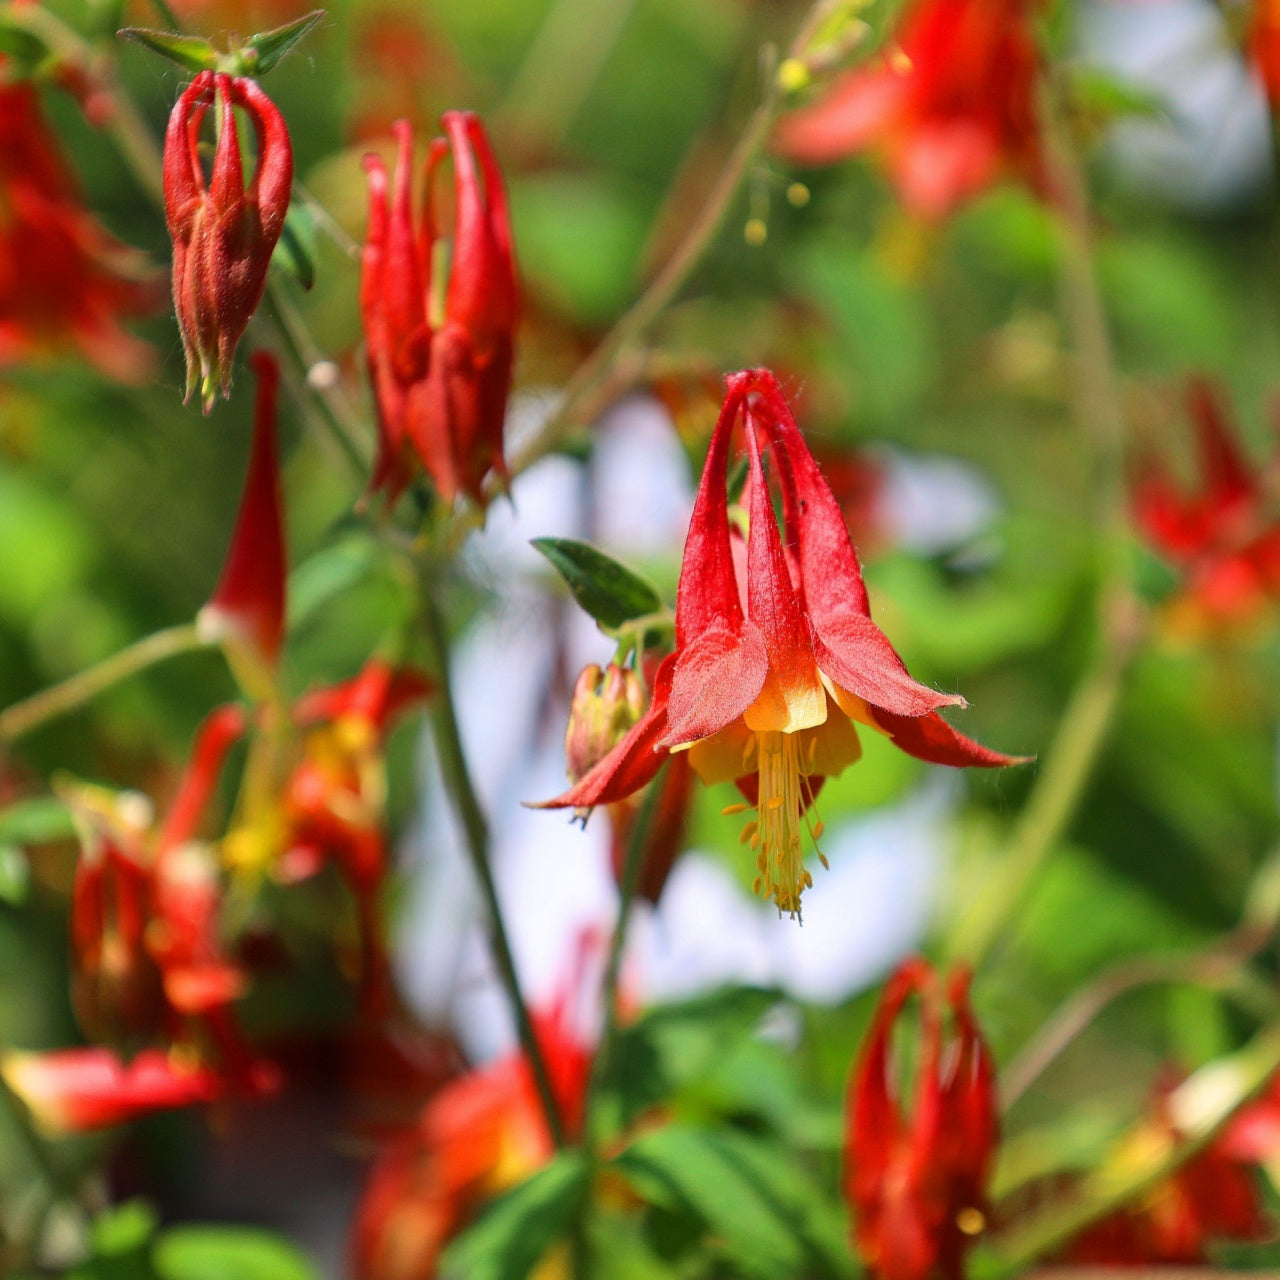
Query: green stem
[[457, 778], [1201, 1107], [664, 286], [22, 717], [1088, 715]]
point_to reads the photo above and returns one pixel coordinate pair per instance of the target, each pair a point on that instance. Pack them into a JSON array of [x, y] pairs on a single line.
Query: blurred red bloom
[[918, 1186], [79, 1090], [479, 1136], [951, 110], [223, 230], [1262, 44], [776, 655], [63, 281], [1213, 1196], [246, 610], [440, 353], [1222, 536]]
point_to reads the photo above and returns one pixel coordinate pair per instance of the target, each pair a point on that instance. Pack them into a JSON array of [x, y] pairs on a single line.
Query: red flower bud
[[223, 231], [439, 353], [918, 1186], [246, 610]]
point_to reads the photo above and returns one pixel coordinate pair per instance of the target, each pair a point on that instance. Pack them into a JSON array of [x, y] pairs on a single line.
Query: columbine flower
[[223, 231], [772, 670], [1262, 43], [440, 352], [1222, 536], [951, 109], [917, 1186], [63, 280], [246, 611]]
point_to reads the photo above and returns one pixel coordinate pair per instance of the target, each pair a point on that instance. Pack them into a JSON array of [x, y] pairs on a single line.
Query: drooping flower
[[950, 110], [1222, 536], [246, 611], [223, 230], [776, 656], [918, 1185], [478, 1137], [440, 352], [64, 282]]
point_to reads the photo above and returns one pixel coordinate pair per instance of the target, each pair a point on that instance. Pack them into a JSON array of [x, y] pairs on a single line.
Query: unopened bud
[[606, 704]]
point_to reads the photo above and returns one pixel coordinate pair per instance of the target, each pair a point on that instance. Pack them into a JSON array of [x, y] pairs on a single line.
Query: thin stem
[[562, 64], [166, 15], [1202, 1106], [1100, 421], [22, 717], [664, 286], [457, 777]]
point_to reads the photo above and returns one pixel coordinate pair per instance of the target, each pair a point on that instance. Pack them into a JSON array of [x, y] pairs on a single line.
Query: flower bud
[[223, 230], [605, 706]]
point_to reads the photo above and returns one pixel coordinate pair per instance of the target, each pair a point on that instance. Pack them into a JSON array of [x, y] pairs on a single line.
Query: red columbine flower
[[79, 1090], [774, 668], [223, 230], [951, 110], [246, 610], [1223, 536], [917, 1186], [63, 280], [1262, 44], [440, 352]]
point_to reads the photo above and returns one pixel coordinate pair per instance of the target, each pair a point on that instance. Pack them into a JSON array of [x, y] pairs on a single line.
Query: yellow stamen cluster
[[785, 796]]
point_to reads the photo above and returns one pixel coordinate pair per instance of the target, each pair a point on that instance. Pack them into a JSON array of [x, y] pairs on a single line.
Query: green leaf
[[757, 1207], [192, 52], [124, 1228], [331, 571], [268, 47], [25, 47], [295, 251], [610, 592], [516, 1230], [1102, 97], [15, 875], [228, 1253], [673, 1046], [36, 821]]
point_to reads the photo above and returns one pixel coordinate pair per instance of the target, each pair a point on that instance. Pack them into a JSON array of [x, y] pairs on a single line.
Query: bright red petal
[[716, 678], [853, 112], [931, 738]]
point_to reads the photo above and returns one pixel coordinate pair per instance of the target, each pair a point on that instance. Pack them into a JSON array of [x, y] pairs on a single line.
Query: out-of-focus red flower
[[1213, 1196], [79, 1090], [63, 281], [950, 110], [440, 352], [1262, 44], [776, 655], [223, 230], [918, 1185], [1222, 535], [246, 610], [478, 1137]]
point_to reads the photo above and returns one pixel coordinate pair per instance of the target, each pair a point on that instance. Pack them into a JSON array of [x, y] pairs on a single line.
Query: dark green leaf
[[192, 52], [228, 1253], [758, 1209], [36, 821], [295, 251], [610, 592], [268, 47], [516, 1230], [673, 1046]]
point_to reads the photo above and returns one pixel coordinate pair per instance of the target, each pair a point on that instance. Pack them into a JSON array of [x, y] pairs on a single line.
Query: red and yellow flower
[[777, 659]]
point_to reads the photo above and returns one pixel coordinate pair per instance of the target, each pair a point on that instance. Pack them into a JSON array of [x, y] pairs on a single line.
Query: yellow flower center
[[783, 803]]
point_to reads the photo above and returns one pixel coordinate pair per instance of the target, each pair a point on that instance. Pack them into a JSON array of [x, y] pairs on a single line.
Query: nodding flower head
[[223, 229]]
